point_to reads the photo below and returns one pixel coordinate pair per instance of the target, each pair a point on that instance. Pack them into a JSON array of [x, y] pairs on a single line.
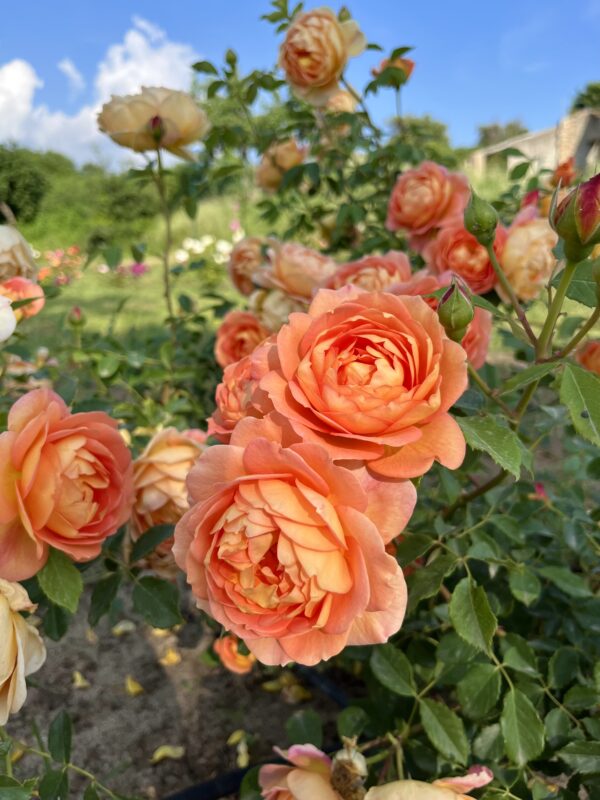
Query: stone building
[[576, 135]]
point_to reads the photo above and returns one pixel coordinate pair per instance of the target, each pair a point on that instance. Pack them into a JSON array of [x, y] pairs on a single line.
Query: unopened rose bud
[[456, 311], [76, 317], [481, 219], [156, 128], [577, 219]]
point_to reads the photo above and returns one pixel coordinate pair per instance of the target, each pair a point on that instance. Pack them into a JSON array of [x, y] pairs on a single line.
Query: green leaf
[[502, 444], [108, 365], [150, 540], [580, 393], [351, 721], [206, 67], [56, 622], [91, 793], [567, 581], [411, 547], [524, 584], [393, 670], [583, 287], [249, 788], [54, 785], [519, 171], [529, 375], [479, 690], [11, 789], [426, 581], [583, 757], [522, 729], [60, 735], [444, 730], [488, 745], [519, 656], [305, 727], [157, 601], [563, 667], [60, 580], [471, 615], [103, 595]]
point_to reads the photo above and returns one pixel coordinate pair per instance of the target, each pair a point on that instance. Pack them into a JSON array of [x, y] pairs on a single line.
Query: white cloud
[[145, 57], [72, 74]]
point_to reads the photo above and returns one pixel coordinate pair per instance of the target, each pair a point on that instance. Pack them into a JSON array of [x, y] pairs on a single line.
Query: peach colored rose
[[443, 789], [154, 117], [65, 482], [277, 159], [588, 355], [372, 273], [274, 306], [287, 550], [234, 398], [370, 376], [246, 259], [454, 249], [16, 258], [239, 333], [23, 289], [309, 777], [227, 648], [477, 338], [423, 198], [22, 651], [341, 101], [407, 66], [527, 258], [159, 475], [315, 51], [297, 270]]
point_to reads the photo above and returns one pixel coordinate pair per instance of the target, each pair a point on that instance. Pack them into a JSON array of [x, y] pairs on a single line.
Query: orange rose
[[276, 161], [297, 270], [477, 338], [407, 66], [65, 482], [227, 648], [372, 273], [234, 398], [527, 257], [287, 550], [454, 249], [370, 377], [238, 335], [588, 355], [315, 51], [23, 289], [425, 197], [246, 259], [309, 775], [340, 102]]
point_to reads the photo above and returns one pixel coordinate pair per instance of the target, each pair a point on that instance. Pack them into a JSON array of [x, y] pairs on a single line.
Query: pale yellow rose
[[527, 257], [315, 51], [274, 306], [443, 789], [21, 648], [16, 258], [155, 117], [277, 159]]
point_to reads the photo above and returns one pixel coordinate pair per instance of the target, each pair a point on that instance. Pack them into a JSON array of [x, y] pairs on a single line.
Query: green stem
[[162, 192], [514, 300], [488, 391], [543, 343], [362, 106], [583, 331], [472, 495]]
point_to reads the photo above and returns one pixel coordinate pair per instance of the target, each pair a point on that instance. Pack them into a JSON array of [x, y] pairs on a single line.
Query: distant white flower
[[238, 235], [181, 256], [223, 247], [207, 241], [8, 321], [103, 269]]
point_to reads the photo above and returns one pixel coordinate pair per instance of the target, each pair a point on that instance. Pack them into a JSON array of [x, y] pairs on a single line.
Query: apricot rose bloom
[[277, 159], [159, 476], [155, 117], [341, 101], [22, 651], [287, 550], [527, 257], [16, 258], [442, 789], [370, 376], [245, 261], [588, 355], [315, 52], [456, 250], [239, 334], [407, 66], [234, 398], [227, 648], [297, 270], [423, 198], [65, 482], [24, 289], [308, 777], [372, 273]]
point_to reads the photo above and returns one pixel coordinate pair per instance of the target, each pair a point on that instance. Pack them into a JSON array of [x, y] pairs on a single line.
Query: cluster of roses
[[17, 282]]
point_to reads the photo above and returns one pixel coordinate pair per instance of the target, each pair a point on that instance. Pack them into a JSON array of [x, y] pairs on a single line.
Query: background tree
[[588, 97], [497, 132]]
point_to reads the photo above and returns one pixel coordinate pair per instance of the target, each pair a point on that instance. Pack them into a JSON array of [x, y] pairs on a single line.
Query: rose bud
[[456, 310], [76, 317], [577, 219], [481, 219]]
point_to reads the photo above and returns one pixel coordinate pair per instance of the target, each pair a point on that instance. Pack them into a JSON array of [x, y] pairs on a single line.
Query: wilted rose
[[22, 652], [16, 258], [155, 117], [315, 51], [308, 777]]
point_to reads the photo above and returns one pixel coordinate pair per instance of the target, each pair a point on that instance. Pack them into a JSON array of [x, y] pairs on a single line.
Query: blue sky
[[476, 62]]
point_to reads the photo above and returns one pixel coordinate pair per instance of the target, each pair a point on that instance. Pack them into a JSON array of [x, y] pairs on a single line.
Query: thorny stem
[[514, 300]]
